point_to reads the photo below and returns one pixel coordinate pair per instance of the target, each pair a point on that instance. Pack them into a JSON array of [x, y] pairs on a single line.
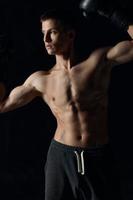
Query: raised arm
[[21, 95], [123, 51]]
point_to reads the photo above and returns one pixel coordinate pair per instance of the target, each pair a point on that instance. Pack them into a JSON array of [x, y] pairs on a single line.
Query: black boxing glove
[[107, 8], [103, 7]]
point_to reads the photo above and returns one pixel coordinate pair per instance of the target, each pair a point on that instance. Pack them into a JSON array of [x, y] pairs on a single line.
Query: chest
[[78, 86]]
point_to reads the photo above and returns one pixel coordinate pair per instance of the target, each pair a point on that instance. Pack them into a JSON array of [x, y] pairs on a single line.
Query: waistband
[[96, 148]]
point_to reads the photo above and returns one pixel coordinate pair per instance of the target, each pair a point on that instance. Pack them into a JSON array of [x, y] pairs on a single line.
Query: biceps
[[21, 95], [18, 97], [121, 53]]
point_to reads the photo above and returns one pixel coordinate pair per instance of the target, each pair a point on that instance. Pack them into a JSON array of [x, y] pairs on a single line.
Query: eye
[[53, 32]]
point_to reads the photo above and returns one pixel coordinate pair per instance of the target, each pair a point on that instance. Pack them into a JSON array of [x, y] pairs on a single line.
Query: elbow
[[5, 107], [2, 108]]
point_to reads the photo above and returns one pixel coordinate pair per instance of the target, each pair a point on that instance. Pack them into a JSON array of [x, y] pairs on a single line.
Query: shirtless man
[[79, 162]]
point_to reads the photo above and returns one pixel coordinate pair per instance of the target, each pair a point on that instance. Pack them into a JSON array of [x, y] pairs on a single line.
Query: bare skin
[[77, 93]]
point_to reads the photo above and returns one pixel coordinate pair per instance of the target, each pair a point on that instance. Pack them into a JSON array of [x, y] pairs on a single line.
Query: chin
[[51, 52]]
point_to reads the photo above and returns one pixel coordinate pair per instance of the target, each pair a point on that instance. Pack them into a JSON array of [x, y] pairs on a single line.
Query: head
[[59, 29]]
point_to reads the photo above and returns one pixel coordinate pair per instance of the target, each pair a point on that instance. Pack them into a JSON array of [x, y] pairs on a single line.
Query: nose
[[47, 38]]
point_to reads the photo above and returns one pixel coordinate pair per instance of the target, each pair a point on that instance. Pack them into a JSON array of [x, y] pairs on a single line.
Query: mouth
[[48, 46]]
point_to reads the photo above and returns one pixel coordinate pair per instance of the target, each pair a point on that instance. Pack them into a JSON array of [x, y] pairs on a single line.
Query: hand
[[2, 91]]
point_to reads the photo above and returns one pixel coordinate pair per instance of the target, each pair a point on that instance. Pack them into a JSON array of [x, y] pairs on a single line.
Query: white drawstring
[[80, 162]]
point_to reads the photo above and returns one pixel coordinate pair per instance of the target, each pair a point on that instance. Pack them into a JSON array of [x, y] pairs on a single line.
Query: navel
[[53, 98], [79, 137]]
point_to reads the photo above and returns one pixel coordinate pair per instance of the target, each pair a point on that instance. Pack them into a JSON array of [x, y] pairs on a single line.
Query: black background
[[25, 133]]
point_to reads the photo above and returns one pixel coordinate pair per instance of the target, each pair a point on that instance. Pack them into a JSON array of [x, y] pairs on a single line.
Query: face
[[56, 40]]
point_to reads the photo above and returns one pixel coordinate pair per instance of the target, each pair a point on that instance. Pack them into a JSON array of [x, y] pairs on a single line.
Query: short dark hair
[[66, 17]]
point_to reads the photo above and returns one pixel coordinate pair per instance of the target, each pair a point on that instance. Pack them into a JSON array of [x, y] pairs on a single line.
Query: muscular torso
[[78, 99]]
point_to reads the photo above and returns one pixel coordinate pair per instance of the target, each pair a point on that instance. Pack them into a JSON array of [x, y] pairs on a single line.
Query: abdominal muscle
[[82, 128]]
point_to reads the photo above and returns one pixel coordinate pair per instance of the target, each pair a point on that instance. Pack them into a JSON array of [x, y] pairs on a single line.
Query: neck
[[66, 61]]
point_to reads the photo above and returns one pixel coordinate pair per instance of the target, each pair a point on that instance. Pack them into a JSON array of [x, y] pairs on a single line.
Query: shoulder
[[98, 56], [39, 74], [36, 76], [37, 81]]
